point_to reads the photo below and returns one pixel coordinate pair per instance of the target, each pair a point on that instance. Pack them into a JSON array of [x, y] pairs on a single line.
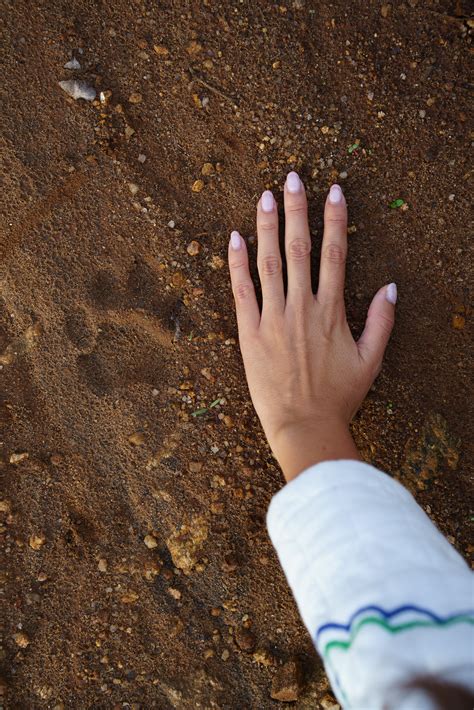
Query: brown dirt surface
[[138, 569]]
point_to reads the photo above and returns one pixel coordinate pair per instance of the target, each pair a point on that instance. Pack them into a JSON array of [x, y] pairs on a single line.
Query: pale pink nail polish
[[293, 182], [335, 195], [391, 294], [235, 241], [267, 201]]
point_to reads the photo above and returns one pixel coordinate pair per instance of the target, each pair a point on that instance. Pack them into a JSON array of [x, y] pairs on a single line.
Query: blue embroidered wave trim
[[388, 615]]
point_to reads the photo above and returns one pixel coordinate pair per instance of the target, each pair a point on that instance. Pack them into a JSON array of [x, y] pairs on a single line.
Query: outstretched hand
[[306, 374]]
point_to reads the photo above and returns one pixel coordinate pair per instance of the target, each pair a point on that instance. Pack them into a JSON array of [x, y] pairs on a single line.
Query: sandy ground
[[138, 569]]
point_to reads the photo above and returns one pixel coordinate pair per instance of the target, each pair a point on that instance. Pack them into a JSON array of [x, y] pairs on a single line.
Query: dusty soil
[[138, 570]]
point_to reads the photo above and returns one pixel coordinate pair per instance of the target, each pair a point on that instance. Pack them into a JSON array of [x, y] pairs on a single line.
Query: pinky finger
[[248, 313]]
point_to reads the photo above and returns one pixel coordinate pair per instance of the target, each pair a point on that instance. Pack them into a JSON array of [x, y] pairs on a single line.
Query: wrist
[[299, 445]]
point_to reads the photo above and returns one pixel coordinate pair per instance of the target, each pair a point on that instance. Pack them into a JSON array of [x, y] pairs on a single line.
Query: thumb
[[378, 326]]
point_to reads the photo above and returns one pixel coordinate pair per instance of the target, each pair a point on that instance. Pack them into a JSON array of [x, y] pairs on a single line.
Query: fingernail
[[293, 182], [267, 201], [235, 241], [335, 194], [391, 293]]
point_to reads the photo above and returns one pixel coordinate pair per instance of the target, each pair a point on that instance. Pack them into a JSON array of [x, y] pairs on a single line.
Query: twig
[[211, 88]]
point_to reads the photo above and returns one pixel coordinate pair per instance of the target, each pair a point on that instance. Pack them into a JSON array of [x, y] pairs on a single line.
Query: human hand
[[306, 374]]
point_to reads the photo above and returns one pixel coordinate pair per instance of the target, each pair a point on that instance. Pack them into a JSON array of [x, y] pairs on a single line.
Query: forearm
[[381, 591], [301, 445]]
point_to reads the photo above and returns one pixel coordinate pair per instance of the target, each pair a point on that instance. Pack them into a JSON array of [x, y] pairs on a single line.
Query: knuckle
[[271, 265], [299, 249], [238, 265], [336, 219], [242, 291], [296, 208], [266, 226], [335, 253]]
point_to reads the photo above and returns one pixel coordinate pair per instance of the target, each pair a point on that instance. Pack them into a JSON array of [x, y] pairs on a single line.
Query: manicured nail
[[293, 182], [335, 195], [267, 202], [391, 293], [235, 241]]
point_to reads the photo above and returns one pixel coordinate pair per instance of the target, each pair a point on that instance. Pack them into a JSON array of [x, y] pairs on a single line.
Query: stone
[[21, 639], [129, 598], [198, 186], [184, 544], [193, 248], [102, 565], [150, 542], [208, 169], [160, 51], [36, 542], [72, 64], [287, 682], [78, 89], [136, 439], [385, 10], [245, 639], [135, 98], [18, 458]]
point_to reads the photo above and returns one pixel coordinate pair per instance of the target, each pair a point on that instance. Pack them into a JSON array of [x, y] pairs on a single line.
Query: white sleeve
[[382, 593]]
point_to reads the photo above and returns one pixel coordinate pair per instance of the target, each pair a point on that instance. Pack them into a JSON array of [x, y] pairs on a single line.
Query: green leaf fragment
[[397, 203], [199, 412], [215, 403], [353, 147]]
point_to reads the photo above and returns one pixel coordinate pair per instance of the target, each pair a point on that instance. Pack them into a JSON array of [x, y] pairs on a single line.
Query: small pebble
[[18, 458], [78, 89], [171, 224], [133, 187], [137, 438], [193, 248], [198, 186], [208, 169], [422, 113], [21, 639], [451, 197], [343, 175], [287, 682], [36, 542], [135, 98], [129, 598], [72, 64], [160, 51], [385, 10], [225, 654], [150, 542], [141, 158], [102, 565], [175, 593], [458, 322]]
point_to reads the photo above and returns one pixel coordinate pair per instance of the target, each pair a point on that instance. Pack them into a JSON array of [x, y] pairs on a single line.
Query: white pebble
[[141, 158], [78, 89], [171, 224], [422, 113], [370, 95], [133, 187], [451, 197], [72, 64], [343, 175], [205, 101]]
